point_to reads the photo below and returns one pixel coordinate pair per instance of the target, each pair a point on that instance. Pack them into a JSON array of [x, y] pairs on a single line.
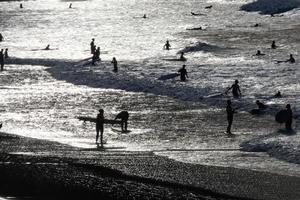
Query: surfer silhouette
[[230, 111], [278, 95], [93, 47], [258, 53], [123, 115], [167, 45], [100, 126], [115, 64], [1, 37], [273, 45], [47, 47], [236, 92], [21, 5], [70, 6], [1, 59], [97, 54], [289, 121], [182, 56], [6, 53], [260, 105], [290, 60], [183, 73], [144, 16]]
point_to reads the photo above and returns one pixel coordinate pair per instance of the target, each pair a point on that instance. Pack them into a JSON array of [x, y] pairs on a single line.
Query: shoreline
[[32, 167]]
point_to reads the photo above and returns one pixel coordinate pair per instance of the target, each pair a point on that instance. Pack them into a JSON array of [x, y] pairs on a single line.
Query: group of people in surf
[[274, 46], [95, 51], [236, 93]]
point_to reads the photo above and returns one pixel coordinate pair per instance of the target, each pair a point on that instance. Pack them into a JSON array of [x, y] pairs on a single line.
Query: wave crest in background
[[271, 6]]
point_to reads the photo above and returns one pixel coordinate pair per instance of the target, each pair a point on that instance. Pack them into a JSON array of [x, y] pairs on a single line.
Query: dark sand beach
[[43, 169]]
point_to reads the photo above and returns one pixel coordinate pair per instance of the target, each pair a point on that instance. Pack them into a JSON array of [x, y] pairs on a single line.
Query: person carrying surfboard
[[100, 126], [183, 73], [123, 115], [236, 92], [289, 121]]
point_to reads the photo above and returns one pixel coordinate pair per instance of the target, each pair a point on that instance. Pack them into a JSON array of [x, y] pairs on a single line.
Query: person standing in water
[[123, 115], [289, 121], [182, 58], [1, 59], [273, 45], [236, 92], [21, 5], [230, 111], [1, 37], [97, 54], [93, 47], [183, 73], [115, 63], [100, 126], [70, 6], [47, 47], [6, 54], [167, 45]]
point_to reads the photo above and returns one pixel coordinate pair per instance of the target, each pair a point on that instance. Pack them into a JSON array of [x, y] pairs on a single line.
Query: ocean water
[[43, 95]]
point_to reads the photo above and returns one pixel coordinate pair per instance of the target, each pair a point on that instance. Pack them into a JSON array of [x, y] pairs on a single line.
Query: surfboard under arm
[[93, 119]]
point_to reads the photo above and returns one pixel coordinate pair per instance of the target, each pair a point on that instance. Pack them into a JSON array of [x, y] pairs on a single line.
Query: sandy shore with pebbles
[[42, 169]]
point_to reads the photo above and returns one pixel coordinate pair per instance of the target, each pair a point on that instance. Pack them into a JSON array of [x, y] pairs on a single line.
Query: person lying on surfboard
[[123, 115]]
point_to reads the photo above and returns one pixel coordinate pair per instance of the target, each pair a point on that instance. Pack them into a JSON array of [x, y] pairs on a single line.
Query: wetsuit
[[236, 92], [1, 60], [100, 127], [230, 112], [183, 74], [288, 123]]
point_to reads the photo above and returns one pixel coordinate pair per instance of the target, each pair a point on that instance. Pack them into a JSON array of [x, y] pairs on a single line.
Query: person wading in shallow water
[[1, 59], [167, 45], [123, 115], [93, 47], [230, 111], [289, 121], [115, 63], [236, 92], [183, 73], [100, 126]]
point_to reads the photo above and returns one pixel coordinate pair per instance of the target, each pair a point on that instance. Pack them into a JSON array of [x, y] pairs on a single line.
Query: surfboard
[[119, 130], [94, 120], [281, 116], [257, 112], [168, 76], [214, 95], [175, 59]]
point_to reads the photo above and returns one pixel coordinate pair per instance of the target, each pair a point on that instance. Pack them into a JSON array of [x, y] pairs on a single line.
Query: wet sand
[[42, 169]]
